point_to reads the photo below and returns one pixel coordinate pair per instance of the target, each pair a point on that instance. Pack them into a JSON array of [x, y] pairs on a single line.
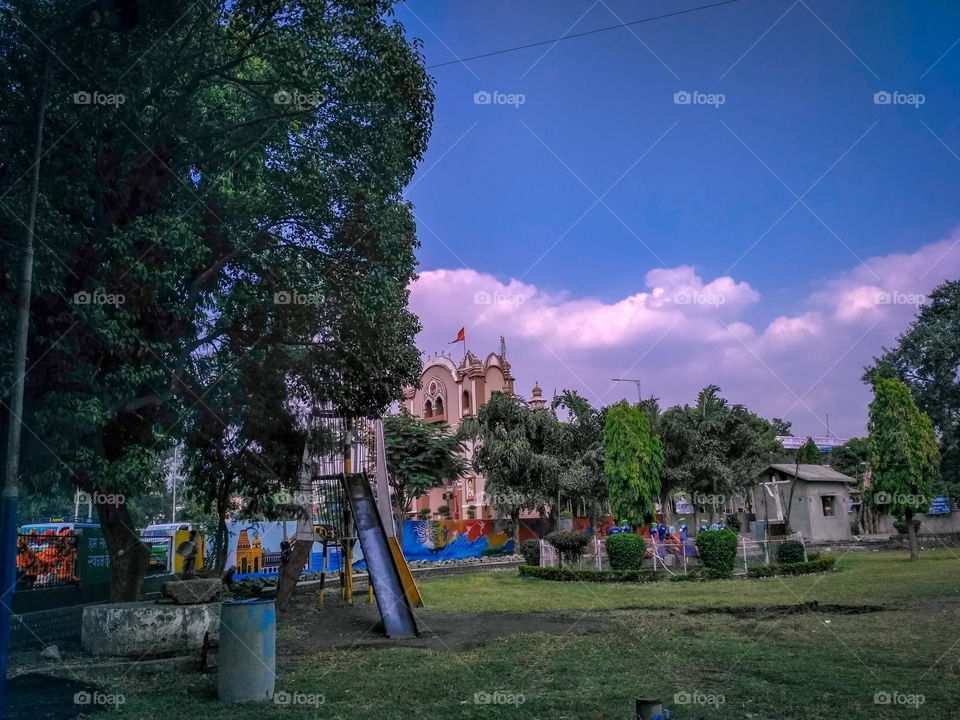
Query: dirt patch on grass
[[764, 612], [308, 627]]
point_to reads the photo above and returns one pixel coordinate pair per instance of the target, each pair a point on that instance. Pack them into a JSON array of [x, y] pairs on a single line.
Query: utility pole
[[635, 382]]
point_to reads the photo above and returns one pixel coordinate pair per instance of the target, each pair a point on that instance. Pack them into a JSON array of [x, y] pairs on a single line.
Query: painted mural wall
[[455, 539]]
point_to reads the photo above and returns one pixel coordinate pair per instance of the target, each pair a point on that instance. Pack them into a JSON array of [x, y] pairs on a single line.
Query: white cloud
[[680, 332]]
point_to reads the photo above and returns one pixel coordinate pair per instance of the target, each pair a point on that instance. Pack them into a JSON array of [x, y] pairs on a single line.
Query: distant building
[[825, 443], [450, 392], [249, 557], [822, 507]]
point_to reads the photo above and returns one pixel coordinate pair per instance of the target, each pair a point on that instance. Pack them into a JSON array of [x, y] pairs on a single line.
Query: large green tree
[[420, 456], [712, 449], [904, 456], [580, 448], [927, 358], [633, 461], [516, 452], [222, 243], [808, 453]]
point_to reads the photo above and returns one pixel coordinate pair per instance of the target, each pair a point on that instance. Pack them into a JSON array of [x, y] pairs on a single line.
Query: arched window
[[466, 401], [439, 406], [427, 409]]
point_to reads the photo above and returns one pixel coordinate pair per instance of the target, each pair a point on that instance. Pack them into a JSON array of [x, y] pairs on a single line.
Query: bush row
[[597, 576], [820, 564]]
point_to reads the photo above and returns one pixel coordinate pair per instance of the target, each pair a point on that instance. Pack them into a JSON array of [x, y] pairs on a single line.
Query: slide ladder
[[385, 574]]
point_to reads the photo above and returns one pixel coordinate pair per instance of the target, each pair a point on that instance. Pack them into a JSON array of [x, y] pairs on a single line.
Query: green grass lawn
[[765, 667]]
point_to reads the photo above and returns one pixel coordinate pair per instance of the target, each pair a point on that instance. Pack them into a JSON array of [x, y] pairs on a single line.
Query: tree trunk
[[222, 539], [290, 570], [129, 557], [292, 565], [911, 534], [666, 509], [515, 520]]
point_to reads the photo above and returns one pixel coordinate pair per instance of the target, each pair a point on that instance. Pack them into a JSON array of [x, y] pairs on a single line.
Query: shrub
[[901, 526], [530, 549], [815, 566], [444, 511], [718, 551], [424, 514], [598, 576], [820, 564], [813, 555], [789, 551], [761, 571], [625, 551], [569, 544], [733, 522]]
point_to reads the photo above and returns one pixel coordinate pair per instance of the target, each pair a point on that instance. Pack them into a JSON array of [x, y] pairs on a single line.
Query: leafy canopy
[[633, 460]]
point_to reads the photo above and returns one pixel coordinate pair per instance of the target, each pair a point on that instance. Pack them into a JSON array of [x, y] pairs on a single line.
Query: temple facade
[[448, 393]]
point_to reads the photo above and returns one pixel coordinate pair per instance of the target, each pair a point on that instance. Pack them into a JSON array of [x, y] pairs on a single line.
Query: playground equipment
[[345, 509]]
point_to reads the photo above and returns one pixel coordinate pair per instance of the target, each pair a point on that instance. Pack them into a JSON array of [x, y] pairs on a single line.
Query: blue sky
[[510, 193]]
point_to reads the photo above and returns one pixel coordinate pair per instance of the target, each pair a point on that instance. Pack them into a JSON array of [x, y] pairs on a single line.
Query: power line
[[582, 34]]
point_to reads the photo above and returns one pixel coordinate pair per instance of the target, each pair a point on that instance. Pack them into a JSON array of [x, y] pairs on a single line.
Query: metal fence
[[46, 560], [674, 556]]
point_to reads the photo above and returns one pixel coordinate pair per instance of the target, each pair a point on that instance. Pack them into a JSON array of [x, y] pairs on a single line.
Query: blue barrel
[[246, 661]]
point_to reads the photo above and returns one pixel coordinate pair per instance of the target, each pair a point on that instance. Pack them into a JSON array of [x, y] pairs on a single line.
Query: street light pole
[[635, 382]]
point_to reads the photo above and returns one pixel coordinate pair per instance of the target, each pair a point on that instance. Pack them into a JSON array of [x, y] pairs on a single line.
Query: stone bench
[[144, 629]]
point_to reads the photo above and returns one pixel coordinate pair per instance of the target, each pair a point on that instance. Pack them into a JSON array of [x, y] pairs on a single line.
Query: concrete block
[[147, 629]]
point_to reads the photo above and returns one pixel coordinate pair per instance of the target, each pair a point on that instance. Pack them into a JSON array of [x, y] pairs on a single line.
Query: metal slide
[[392, 600]]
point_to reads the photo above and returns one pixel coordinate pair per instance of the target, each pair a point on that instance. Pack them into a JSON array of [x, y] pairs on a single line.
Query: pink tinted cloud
[[681, 332]]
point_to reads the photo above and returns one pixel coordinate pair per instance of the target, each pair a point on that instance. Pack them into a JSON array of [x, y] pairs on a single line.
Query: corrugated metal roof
[[813, 473]]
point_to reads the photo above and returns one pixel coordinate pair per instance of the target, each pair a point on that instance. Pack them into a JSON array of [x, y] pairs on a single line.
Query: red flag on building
[[461, 336]]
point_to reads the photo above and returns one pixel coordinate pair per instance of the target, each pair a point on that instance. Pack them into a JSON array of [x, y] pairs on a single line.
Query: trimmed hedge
[[597, 576], [821, 564], [569, 544], [718, 550], [789, 552], [625, 551], [530, 549]]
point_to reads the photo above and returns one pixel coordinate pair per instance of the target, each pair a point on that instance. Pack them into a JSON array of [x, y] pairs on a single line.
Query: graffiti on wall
[[454, 539]]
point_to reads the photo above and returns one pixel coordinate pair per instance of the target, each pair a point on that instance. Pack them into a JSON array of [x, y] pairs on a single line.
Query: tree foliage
[[904, 456], [926, 358], [808, 453], [633, 460], [420, 456], [224, 249], [582, 482]]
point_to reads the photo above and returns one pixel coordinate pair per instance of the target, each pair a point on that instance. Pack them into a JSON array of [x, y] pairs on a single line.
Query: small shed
[[821, 507]]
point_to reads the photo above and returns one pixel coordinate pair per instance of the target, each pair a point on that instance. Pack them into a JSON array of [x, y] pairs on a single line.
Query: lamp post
[[635, 382], [100, 15]]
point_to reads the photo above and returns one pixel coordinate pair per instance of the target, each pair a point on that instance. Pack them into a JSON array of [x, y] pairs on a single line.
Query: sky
[[757, 195]]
